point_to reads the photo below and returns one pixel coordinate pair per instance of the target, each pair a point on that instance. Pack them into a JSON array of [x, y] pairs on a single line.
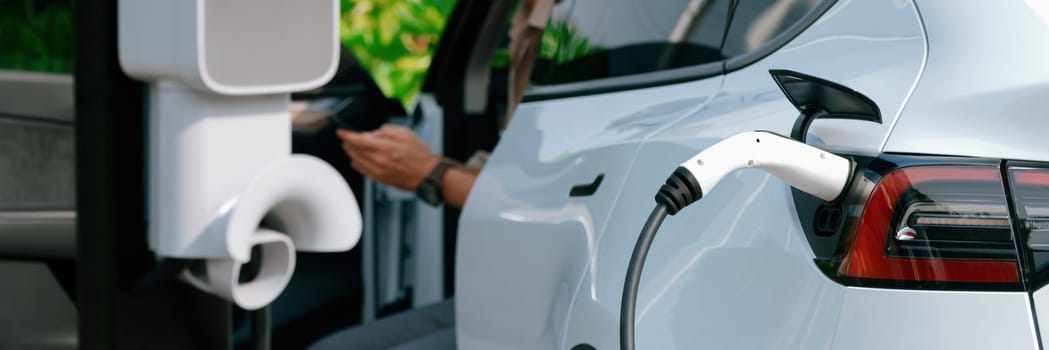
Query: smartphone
[[365, 114]]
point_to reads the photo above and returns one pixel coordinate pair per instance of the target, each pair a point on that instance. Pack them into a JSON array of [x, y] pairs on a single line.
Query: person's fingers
[[348, 148], [356, 153], [387, 128], [343, 134], [367, 168], [386, 131], [378, 158], [352, 152], [366, 162], [365, 140], [357, 139], [396, 132]]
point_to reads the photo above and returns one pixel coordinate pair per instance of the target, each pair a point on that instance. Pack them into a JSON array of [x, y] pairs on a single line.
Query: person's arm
[[395, 156], [456, 185]]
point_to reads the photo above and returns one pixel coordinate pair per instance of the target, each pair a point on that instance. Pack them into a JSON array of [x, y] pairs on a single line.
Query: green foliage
[[395, 40], [36, 35], [560, 44]]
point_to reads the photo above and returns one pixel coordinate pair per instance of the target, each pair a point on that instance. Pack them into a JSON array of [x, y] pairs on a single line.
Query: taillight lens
[[1030, 193], [928, 225]]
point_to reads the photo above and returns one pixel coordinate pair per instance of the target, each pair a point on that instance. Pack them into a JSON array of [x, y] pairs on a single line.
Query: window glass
[[594, 39], [36, 35], [756, 22]]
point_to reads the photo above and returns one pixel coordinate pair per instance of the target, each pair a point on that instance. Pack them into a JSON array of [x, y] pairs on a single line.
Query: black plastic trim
[[626, 82], [680, 190], [820, 98], [586, 190], [892, 161], [835, 100], [827, 242]]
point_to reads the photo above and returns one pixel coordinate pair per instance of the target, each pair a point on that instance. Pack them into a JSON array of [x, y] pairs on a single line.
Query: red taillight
[[934, 224]]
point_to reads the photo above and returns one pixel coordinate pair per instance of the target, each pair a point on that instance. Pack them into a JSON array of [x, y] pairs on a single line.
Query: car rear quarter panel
[[984, 92], [735, 271], [985, 88], [537, 269]]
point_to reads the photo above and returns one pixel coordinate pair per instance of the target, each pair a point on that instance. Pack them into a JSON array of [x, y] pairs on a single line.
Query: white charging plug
[[807, 168]]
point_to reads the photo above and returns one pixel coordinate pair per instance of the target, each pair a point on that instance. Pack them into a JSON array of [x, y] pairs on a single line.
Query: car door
[[617, 72]]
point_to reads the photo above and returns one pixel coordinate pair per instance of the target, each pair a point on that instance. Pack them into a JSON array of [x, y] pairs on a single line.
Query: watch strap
[[430, 188]]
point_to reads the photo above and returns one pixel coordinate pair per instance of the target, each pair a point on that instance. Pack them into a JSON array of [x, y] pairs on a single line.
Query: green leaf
[[394, 40]]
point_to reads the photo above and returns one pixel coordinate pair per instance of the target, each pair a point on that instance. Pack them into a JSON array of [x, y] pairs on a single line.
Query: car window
[[756, 22], [595, 39], [36, 36]]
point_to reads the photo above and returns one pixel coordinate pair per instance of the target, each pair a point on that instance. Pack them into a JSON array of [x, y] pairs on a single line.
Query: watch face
[[429, 192]]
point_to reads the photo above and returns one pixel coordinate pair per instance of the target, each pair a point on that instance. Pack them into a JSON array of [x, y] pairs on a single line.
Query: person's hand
[[391, 155]]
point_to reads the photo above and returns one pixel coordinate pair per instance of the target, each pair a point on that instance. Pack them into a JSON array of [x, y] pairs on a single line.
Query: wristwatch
[[429, 190]]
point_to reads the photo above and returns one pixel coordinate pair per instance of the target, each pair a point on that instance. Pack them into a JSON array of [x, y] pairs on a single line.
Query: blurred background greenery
[[36, 35], [393, 39]]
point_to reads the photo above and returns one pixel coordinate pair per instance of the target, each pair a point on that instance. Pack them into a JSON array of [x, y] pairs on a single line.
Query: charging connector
[[807, 168]]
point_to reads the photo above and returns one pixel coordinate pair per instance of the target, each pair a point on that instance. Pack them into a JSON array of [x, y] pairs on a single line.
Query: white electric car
[[941, 241], [939, 238]]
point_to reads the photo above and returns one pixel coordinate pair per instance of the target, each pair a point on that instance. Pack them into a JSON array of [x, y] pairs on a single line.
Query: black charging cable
[[680, 190], [804, 167]]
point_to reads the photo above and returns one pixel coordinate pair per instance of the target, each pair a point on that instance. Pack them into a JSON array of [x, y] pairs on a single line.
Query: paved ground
[[430, 328]]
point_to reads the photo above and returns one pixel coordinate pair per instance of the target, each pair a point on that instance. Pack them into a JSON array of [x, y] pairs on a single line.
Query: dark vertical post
[[108, 145], [115, 311]]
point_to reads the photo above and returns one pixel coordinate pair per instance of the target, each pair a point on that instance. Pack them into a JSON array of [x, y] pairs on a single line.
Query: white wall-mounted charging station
[[221, 175]]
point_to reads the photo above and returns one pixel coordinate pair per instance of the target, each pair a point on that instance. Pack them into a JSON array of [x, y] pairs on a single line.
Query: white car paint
[[543, 240], [537, 269]]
